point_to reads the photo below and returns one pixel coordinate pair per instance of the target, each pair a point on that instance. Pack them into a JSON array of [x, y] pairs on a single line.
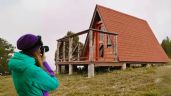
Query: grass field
[[153, 81]]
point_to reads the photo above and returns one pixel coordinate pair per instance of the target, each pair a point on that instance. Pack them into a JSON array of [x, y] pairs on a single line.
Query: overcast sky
[[53, 18]]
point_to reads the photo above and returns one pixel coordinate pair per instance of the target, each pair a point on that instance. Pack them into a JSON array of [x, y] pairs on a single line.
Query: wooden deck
[[96, 63]]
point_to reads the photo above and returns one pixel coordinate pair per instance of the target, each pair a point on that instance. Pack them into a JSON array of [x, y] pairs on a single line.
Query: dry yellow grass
[[117, 83], [153, 81], [6, 86], [163, 80]]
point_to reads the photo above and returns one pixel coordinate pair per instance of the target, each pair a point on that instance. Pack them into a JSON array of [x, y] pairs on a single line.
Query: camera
[[44, 49]]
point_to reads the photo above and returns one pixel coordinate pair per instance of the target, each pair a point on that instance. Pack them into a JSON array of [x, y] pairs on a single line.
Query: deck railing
[[79, 57]]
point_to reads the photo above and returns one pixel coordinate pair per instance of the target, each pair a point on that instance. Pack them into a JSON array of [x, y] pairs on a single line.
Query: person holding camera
[[31, 74]]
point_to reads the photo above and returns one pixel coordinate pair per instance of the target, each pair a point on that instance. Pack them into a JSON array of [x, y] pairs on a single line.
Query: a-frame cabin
[[115, 39]]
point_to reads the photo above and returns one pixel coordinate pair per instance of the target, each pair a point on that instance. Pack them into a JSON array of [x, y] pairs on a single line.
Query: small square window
[[109, 44]]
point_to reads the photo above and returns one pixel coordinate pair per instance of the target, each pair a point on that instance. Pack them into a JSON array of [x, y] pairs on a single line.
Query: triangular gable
[[96, 17], [136, 41]]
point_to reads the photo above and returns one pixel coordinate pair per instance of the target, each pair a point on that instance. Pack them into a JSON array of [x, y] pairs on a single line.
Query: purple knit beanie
[[29, 42]]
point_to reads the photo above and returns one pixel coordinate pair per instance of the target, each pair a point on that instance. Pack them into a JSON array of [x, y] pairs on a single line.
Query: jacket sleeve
[[48, 69], [42, 80]]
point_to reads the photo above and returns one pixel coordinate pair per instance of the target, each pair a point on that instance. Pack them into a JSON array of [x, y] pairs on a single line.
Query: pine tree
[[166, 44]]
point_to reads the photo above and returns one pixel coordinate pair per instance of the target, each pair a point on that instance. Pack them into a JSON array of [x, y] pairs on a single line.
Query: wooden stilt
[[70, 56], [58, 69], [148, 65], [70, 69], [78, 57], [91, 65], [57, 58], [90, 70], [124, 66]]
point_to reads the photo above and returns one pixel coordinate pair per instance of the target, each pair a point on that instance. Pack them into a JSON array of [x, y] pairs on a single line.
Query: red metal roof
[[136, 41]]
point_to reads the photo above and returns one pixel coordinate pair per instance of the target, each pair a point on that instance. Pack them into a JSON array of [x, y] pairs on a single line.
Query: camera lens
[[46, 48]]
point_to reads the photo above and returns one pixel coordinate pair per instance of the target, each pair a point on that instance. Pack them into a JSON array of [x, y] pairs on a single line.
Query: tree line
[[166, 45], [6, 51]]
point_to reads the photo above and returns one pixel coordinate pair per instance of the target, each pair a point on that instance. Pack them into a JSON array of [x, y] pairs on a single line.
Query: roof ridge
[[120, 12]]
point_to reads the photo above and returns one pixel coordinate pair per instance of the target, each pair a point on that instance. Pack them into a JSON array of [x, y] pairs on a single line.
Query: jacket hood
[[19, 62]]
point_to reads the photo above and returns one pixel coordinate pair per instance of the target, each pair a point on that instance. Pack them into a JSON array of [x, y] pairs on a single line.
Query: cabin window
[[109, 44], [101, 51], [101, 37]]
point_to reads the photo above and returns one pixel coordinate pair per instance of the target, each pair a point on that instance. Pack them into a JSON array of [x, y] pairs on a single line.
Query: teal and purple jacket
[[29, 79]]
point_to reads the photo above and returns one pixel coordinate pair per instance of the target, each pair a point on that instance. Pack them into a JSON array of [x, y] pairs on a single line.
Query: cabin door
[[99, 42]]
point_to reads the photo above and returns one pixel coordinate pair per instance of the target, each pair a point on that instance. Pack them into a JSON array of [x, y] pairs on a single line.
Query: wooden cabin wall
[[108, 51]]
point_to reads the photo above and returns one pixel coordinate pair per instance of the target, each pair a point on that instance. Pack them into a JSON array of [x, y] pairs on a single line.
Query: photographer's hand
[[43, 57], [39, 59]]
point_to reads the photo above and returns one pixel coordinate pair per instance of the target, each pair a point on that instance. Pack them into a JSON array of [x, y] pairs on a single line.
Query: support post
[[91, 65], [148, 65], [124, 66], [57, 58], [70, 56], [70, 69], [78, 57], [90, 70], [58, 69], [64, 51]]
